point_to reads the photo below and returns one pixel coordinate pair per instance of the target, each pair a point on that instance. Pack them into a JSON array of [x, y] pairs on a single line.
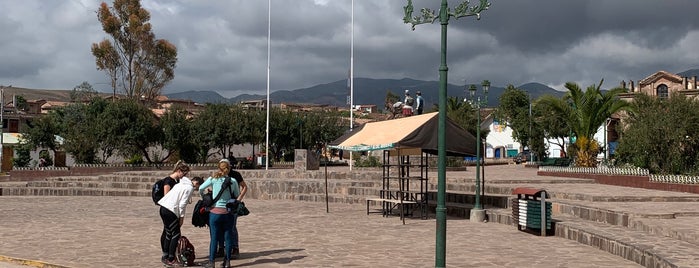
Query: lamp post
[[531, 158], [429, 16], [2, 125], [477, 213]]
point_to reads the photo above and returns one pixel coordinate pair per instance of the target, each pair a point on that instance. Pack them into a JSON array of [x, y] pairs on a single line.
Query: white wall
[[500, 136]]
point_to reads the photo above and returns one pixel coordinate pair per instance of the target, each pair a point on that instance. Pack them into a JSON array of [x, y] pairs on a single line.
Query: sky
[[222, 44]]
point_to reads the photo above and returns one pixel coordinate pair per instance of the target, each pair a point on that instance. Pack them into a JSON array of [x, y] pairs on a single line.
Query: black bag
[[242, 209], [200, 215], [158, 191]]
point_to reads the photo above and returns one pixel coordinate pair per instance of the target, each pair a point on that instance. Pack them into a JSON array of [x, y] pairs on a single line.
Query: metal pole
[[441, 210], [428, 16], [477, 204], [531, 158], [2, 125], [269, 35], [327, 206], [351, 80]]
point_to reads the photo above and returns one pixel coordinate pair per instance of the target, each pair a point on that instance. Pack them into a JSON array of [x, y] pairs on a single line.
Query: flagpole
[[351, 78], [269, 27]]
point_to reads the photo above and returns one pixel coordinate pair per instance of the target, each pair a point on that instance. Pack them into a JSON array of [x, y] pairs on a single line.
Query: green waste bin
[[530, 210]]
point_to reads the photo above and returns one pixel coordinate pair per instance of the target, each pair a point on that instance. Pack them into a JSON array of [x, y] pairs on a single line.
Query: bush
[[48, 161], [368, 161], [22, 158], [136, 159]]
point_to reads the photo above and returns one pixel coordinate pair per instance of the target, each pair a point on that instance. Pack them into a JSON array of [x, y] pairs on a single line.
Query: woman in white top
[[172, 208]]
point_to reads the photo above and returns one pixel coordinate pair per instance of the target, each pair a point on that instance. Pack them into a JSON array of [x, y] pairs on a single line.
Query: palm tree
[[584, 112]]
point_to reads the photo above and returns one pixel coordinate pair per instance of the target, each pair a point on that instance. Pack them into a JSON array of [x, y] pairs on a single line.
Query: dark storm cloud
[[222, 45]]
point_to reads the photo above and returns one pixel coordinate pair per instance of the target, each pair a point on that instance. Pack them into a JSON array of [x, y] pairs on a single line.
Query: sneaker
[[209, 264], [235, 254], [171, 263]]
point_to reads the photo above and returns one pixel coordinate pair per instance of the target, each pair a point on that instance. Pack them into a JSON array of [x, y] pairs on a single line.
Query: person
[[408, 104], [243, 189], [220, 220], [419, 102], [172, 210], [168, 183]]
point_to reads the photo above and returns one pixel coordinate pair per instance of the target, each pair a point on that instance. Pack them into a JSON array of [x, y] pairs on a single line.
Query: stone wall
[[305, 160]]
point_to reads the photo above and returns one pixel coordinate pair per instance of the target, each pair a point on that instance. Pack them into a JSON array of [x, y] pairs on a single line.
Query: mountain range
[[367, 91]]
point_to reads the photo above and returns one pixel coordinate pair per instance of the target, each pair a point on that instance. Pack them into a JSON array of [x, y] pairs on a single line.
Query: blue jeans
[[235, 234], [220, 228]]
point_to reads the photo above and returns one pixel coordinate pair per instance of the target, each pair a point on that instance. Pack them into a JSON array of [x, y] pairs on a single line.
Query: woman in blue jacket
[[220, 220]]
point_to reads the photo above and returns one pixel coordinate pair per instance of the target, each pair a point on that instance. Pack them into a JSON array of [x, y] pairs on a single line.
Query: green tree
[[42, 132], [464, 115], [130, 127], [216, 128], [514, 113], [661, 135], [584, 112], [551, 124], [78, 128], [178, 135], [134, 59], [283, 131], [23, 157], [323, 127], [20, 103], [83, 92], [252, 127]]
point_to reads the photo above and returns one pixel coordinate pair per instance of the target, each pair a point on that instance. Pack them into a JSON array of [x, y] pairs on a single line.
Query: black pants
[[171, 232]]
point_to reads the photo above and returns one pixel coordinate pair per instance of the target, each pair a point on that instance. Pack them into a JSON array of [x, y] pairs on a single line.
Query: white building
[[499, 143]]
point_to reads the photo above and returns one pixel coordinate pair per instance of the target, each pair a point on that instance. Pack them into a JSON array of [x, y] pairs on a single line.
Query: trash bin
[[530, 210]]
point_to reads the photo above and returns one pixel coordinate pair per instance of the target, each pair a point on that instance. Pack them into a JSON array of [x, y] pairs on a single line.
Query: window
[[661, 91]]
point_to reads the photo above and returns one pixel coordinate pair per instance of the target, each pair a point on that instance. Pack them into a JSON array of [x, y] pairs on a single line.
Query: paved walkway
[[125, 231]]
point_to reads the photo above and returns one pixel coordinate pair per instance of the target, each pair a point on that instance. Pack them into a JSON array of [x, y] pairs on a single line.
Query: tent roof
[[412, 132]]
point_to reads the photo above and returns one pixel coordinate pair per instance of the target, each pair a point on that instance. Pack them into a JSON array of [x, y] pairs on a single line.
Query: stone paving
[[125, 231], [53, 231]]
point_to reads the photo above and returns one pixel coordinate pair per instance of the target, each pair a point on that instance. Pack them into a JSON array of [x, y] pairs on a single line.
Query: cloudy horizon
[[222, 45]]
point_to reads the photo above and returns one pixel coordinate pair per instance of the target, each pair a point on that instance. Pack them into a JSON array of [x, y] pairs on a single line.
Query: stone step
[[332, 198], [646, 249], [91, 184], [640, 247], [637, 219], [72, 191]]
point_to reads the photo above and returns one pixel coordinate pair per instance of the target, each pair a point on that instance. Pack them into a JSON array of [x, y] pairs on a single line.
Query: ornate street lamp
[[429, 16], [477, 213]]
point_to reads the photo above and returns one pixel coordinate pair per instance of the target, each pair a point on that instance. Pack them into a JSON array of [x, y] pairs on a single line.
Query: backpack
[[158, 191], [200, 215], [409, 101], [185, 252]]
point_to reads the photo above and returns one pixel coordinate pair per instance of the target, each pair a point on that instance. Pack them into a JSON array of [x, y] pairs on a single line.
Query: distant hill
[[199, 96], [366, 91], [689, 73]]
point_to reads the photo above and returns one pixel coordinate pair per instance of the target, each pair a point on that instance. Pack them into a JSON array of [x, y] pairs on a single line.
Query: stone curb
[[32, 263]]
